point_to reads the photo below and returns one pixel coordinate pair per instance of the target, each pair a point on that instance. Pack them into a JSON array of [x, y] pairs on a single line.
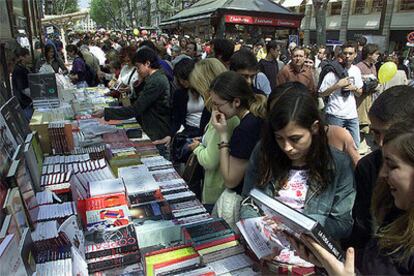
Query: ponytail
[[258, 106]]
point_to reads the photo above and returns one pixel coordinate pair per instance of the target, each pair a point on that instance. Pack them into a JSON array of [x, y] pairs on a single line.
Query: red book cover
[[107, 201]]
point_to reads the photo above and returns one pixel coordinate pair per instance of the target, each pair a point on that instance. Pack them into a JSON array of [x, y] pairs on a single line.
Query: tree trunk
[[148, 17], [320, 20], [346, 4], [386, 30]]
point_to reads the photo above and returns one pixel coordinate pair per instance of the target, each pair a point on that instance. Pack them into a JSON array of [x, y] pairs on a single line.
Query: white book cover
[[106, 187]]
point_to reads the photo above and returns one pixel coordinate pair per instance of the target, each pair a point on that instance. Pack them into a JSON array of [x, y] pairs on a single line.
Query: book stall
[[81, 196], [84, 196]]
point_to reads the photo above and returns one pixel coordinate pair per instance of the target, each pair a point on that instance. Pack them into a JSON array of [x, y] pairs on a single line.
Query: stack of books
[[213, 239], [60, 136], [105, 204], [111, 248], [169, 259]]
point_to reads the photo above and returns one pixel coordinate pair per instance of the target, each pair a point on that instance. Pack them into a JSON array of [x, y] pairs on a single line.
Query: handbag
[[193, 174], [227, 207]]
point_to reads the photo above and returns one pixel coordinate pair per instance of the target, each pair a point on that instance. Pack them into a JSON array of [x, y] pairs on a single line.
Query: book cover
[[150, 211], [112, 261], [20, 175], [182, 262], [8, 145], [10, 260], [27, 253], [108, 217], [206, 230], [137, 199], [110, 242], [296, 222], [14, 207], [106, 187], [221, 254], [152, 260], [214, 241], [166, 175], [74, 233]]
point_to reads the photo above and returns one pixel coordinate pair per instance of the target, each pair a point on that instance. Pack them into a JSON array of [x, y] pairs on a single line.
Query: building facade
[[386, 22]]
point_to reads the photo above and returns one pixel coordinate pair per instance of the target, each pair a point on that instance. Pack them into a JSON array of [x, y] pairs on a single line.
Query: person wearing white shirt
[[341, 106]]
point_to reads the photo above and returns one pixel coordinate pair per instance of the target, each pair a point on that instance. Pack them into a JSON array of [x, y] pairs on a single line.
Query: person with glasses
[[296, 71], [245, 63], [205, 149], [341, 106], [233, 98]]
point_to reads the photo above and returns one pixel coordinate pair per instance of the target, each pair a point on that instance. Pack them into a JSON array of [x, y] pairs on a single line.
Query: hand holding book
[[309, 250]]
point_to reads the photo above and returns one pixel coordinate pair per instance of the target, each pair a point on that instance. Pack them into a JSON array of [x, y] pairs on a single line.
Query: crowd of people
[[293, 121]]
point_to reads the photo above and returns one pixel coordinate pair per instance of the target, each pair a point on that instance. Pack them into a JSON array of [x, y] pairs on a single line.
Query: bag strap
[[130, 76]]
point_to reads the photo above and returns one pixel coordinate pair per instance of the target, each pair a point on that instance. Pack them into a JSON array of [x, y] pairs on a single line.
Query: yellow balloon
[[136, 32], [387, 71]]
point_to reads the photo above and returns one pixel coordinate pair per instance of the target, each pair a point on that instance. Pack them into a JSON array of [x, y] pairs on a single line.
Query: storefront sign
[[268, 21]]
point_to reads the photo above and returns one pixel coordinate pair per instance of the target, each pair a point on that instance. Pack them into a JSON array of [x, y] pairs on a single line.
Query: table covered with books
[[83, 196]]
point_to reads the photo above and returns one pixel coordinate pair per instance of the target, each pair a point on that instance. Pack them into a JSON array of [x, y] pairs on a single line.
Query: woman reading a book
[[295, 164], [391, 251]]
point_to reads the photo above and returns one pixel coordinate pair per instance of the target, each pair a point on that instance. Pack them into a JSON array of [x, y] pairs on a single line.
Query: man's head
[[393, 105], [322, 53], [191, 49], [182, 71], [222, 49], [349, 51], [298, 57], [370, 53], [146, 61], [245, 63], [273, 49], [362, 41], [22, 55]]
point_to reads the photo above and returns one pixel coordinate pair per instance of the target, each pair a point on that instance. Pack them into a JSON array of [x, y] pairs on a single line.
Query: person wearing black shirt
[[231, 96], [152, 108], [20, 81], [271, 66]]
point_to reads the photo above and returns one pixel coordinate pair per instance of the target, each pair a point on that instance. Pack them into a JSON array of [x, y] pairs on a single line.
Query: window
[[359, 7], [377, 5], [336, 8], [406, 5]]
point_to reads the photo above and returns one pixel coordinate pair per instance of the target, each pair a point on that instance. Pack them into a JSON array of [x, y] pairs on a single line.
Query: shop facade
[[248, 20]]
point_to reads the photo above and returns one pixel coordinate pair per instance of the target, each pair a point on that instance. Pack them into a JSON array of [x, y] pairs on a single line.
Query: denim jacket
[[331, 208]]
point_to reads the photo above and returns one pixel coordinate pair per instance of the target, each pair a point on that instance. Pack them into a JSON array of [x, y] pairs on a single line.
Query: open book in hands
[[295, 222]]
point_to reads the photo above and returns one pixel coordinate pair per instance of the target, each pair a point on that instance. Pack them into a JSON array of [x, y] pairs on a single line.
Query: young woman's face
[[295, 141], [399, 176], [228, 108]]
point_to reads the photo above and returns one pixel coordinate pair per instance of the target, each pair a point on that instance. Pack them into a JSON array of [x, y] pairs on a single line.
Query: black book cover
[[111, 242]]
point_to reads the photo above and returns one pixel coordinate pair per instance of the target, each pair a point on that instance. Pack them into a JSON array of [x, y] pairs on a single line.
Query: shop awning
[[206, 8]]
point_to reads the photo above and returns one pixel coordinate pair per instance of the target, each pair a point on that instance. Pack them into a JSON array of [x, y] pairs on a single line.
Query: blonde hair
[[397, 236], [204, 72]]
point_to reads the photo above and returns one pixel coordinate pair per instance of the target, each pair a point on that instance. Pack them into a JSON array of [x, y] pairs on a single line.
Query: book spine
[[327, 242]]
